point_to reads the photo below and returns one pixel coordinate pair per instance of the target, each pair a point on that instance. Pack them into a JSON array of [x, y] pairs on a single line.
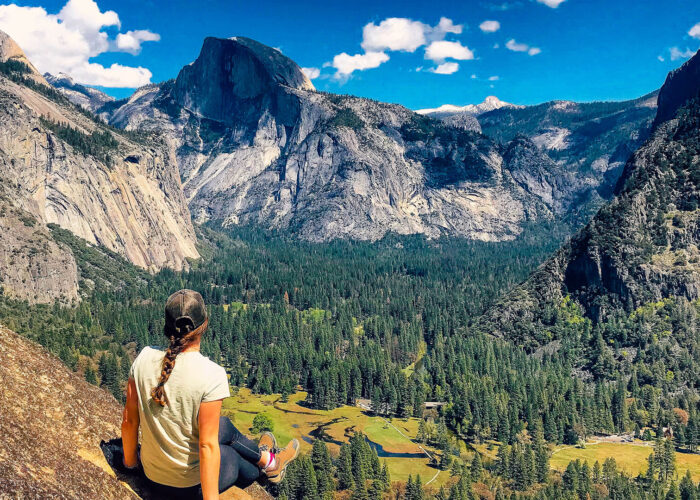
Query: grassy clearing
[[422, 349], [631, 457], [294, 420]]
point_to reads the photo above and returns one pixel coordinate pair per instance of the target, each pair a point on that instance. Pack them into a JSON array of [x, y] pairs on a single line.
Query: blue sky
[[579, 49]]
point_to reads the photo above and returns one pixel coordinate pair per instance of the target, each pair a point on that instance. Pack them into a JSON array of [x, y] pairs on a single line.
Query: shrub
[[261, 423]]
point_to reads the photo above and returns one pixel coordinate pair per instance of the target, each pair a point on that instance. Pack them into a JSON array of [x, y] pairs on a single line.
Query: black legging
[[239, 458]]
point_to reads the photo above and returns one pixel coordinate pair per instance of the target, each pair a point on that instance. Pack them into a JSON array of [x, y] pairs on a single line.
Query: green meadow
[[292, 419]]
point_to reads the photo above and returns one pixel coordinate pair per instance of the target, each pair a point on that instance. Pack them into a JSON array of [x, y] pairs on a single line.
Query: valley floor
[[630, 457], [391, 436]]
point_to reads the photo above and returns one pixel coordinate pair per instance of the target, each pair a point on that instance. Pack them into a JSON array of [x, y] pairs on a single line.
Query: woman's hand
[[209, 453], [130, 426]]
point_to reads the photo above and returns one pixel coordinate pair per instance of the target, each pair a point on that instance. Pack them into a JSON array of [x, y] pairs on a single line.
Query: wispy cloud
[[695, 31], [677, 53], [131, 40], [502, 6], [494, 78], [446, 68], [522, 47], [65, 42]]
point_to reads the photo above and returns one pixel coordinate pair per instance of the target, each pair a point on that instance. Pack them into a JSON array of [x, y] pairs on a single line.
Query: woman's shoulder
[[210, 365], [149, 352]]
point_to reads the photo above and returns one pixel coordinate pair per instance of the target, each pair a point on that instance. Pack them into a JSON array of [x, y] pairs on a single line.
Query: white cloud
[[400, 33], [345, 64], [522, 47], [552, 3], [695, 31], [65, 42], [490, 26], [131, 40], [660, 58], [473, 77], [115, 75], [311, 73], [677, 53], [446, 68], [394, 33], [441, 50], [397, 34], [494, 78]]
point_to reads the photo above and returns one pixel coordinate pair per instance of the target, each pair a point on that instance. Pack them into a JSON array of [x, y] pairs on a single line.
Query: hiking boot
[[267, 442], [283, 457]]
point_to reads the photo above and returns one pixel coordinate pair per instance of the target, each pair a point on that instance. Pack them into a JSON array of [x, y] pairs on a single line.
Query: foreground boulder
[[52, 423]]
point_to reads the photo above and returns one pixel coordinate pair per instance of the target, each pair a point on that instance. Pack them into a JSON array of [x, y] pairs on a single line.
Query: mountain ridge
[[639, 248], [271, 151]]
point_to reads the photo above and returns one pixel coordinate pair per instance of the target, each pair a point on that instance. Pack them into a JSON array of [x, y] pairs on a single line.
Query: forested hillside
[[283, 311]]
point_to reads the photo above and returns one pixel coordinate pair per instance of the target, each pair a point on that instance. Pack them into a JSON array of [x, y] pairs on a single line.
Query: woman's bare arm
[[130, 425], [209, 453]]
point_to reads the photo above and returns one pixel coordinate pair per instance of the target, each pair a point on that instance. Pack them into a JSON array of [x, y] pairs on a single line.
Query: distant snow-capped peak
[[490, 103]]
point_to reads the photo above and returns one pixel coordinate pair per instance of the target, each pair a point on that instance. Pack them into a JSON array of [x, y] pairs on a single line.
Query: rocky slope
[[257, 145], [52, 423], [640, 248], [57, 165], [80, 95]]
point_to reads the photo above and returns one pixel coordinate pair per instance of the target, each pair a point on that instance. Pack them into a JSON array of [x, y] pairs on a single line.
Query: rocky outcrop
[[52, 423], [80, 95], [680, 86], [33, 266], [10, 51]]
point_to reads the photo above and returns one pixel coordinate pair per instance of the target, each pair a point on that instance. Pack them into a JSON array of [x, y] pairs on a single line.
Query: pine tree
[[620, 411], [418, 493], [502, 461], [687, 488], [673, 492], [90, 375], [346, 479], [476, 467], [321, 459]]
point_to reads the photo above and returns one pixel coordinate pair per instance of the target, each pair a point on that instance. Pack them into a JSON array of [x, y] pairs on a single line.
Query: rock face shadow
[[113, 452]]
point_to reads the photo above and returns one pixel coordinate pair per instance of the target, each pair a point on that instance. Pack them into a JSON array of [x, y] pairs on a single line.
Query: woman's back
[[170, 433]]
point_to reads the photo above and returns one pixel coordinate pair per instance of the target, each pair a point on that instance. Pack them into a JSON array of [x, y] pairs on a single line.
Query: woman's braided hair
[[181, 330]]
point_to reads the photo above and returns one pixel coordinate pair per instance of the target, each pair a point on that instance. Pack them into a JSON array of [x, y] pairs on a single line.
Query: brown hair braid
[[181, 337]]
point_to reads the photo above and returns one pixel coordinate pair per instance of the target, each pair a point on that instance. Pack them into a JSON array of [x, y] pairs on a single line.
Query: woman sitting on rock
[[187, 449]]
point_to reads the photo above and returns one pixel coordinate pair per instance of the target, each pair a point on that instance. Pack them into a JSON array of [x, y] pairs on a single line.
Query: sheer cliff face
[[133, 205], [256, 144], [641, 247]]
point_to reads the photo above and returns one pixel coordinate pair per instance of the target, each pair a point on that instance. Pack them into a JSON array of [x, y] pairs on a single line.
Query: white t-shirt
[[170, 434]]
